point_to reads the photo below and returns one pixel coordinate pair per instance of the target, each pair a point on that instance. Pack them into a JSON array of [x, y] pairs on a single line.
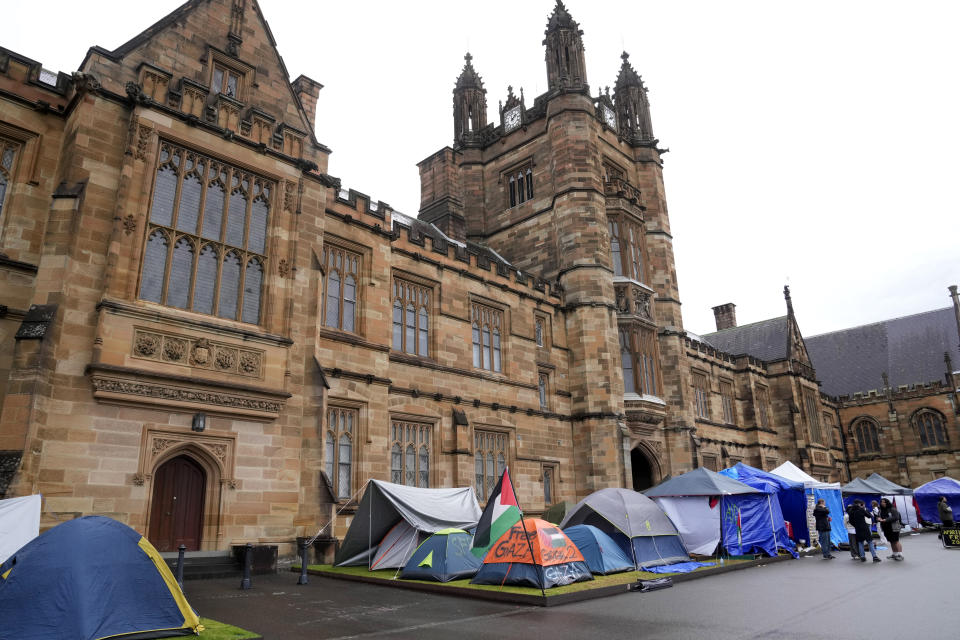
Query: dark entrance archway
[[177, 508], [642, 470]]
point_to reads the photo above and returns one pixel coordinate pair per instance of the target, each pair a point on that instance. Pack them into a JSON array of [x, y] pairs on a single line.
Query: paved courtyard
[[805, 599]]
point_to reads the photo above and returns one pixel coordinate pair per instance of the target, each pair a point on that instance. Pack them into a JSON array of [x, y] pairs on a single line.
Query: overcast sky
[[812, 143]]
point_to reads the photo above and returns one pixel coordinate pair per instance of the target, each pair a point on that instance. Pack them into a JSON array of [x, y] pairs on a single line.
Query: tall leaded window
[[542, 386], [340, 288], [338, 449], [549, 490], [828, 438], [813, 416], [638, 360], [867, 436], [487, 332], [411, 318], [929, 426], [626, 248], [206, 245], [410, 453], [538, 331], [727, 399], [8, 155], [701, 395], [762, 402], [490, 459]]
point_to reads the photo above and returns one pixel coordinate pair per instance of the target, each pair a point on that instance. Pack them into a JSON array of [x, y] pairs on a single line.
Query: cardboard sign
[[951, 537]]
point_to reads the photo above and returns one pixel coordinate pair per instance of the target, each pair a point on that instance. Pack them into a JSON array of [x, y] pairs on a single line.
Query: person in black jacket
[[861, 520], [822, 515]]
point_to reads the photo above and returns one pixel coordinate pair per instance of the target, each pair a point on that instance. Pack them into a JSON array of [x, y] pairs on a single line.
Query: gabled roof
[[765, 340], [909, 349], [699, 482]]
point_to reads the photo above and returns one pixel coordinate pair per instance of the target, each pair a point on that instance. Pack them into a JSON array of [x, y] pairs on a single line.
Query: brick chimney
[[308, 91], [726, 316]]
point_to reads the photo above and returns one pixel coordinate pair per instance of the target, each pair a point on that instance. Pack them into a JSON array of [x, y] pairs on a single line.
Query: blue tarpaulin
[[790, 495], [680, 567], [749, 525], [928, 495], [834, 501]]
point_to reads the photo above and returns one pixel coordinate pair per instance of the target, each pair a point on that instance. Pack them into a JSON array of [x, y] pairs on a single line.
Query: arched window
[[338, 454], [929, 426], [626, 363], [626, 248], [513, 191], [217, 264], [8, 153], [477, 362], [529, 174], [867, 436], [396, 464], [521, 190], [519, 181], [341, 296], [486, 323], [637, 361], [410, 453], [397, 324]]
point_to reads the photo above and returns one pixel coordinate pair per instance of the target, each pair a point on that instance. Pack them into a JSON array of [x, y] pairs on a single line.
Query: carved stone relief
[[103, 384], [198, 352]]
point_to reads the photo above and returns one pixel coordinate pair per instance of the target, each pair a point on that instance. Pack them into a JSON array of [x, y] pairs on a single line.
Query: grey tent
[[634, 521], [401, 517], [859, 486], [699, 482], [889, 488]]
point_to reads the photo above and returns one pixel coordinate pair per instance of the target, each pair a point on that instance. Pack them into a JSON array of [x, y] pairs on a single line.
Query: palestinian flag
[[501, 513]]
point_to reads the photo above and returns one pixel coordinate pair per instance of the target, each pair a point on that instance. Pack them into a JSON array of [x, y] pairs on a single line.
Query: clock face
[[609, 117], [511, 119]]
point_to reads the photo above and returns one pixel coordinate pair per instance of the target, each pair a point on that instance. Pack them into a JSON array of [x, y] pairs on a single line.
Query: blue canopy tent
[[928, 495], [815, 490], [91, 578], [790, 495], [602, 555], [753, 523]]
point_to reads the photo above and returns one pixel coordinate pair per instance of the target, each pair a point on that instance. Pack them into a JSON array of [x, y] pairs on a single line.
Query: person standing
[[851, 532], [890, 523], [945, 511], [822, 515], [875, 516], [860, 518]]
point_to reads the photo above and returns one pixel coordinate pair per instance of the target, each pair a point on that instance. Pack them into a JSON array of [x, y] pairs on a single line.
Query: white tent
[[791, 471], [19, 523]]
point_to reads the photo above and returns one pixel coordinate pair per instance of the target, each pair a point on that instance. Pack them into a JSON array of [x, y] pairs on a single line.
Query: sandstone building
[[205, 335]]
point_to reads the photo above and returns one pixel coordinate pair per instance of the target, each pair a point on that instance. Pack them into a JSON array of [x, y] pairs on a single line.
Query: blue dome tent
[[443, 557], [602, 555], [91, 578]]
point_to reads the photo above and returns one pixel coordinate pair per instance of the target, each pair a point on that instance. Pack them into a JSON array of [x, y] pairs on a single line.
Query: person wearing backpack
[[891, 525]]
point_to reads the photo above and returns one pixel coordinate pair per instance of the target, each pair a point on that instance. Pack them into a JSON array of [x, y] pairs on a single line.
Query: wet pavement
[[809, 598]]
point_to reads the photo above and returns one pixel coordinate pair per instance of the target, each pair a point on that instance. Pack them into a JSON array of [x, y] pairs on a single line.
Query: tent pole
[[369, 531], [525, 535]]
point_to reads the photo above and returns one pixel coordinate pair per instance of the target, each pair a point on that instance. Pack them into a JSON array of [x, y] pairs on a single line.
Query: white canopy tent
[[813, 489], [791, 471], [19, 523]]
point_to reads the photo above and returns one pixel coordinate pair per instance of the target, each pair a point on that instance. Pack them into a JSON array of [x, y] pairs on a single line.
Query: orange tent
[[539, 555]]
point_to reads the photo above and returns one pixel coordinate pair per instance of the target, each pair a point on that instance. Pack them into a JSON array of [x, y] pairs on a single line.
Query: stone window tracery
[[701, 395], [410, 453], [520, 184], [338, 449], [206, 245], [929, 426], [762, 404], [543, 385], [411, 318], [727, 399], [638, 360], [626, 248], [813, 413], [8, 157], [487, 331], [340, 288], [867, 436], [490, 460]]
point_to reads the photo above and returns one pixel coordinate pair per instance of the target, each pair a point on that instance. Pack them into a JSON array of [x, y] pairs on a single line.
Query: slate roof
[[765, 340], [910, 349]]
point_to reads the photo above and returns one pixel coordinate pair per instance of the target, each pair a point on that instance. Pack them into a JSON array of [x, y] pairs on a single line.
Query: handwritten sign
[[951, 537]]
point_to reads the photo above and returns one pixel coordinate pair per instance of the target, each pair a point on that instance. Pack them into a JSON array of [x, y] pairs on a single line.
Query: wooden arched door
[[176, 515]]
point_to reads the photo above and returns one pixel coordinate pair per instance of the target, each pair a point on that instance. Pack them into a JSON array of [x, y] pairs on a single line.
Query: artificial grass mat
[[213, 630], [597, 582]]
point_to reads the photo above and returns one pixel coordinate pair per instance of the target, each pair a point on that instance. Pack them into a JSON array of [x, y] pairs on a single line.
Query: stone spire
[[566, 66], [469, 105], [633, 109]]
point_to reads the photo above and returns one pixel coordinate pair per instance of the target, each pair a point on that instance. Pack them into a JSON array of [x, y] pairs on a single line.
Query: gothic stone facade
[[195, 308]]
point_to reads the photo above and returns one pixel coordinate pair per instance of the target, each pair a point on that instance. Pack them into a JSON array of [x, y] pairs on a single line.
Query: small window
[[727, 398], [410, 453], [710, 462], [519, 181], [543, 383], [8, 157], [549, 486], [338, 450], [490, 460], [226, 81], [538, 331], [701, 395], [813, 416], [487, 330]]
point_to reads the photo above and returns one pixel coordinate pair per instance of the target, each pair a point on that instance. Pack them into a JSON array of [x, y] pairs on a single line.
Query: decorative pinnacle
[[624, 56], [468, 57]]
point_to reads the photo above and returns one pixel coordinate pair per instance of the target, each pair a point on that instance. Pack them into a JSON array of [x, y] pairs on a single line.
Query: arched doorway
[[176, 516], [642, 470]]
